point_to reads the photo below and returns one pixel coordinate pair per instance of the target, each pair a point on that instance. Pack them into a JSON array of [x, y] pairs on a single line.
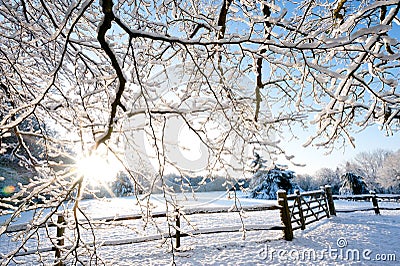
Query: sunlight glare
[[97, 170]]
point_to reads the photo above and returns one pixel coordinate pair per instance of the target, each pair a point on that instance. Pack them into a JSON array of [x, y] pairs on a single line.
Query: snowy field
[[359, 238]]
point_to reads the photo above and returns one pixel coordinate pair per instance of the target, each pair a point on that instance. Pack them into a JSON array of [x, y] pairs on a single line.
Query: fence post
[[285, 214], [301, 215], [177, 229], [375, 202], [331, 204], [60, 239]]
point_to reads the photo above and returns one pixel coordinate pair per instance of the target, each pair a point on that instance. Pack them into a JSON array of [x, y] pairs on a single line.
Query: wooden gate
[[301, 209]]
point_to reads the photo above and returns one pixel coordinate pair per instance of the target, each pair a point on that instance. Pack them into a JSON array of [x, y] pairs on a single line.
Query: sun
[[98, 170]]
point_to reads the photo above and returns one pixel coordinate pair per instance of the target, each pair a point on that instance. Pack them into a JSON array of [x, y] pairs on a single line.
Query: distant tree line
[[379, 170], [123, 186]]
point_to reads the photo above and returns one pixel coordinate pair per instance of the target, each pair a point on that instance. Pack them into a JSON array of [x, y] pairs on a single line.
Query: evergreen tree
[[352, 185], [265, 183]]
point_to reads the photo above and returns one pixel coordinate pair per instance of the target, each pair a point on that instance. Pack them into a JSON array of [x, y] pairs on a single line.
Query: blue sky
[[368, 140]]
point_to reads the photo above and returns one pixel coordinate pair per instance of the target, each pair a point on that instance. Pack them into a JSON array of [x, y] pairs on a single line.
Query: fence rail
[[373, 197], [161, 214], [363, 197]]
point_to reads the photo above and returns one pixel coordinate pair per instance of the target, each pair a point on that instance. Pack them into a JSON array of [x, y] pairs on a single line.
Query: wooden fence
[[178, 233], [373, 197], [296, 211]]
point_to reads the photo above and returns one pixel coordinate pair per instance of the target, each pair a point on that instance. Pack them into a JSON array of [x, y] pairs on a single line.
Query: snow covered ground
[[359, 238]]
